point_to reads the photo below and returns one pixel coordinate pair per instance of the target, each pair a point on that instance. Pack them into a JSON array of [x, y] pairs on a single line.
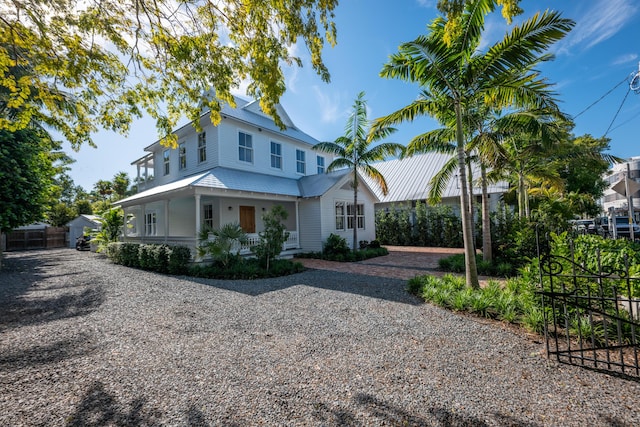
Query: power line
[[617, 112], [600, 99], [626, 121]]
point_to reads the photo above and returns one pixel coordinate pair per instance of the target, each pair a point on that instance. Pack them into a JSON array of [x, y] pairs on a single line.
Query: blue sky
[[601, 52]]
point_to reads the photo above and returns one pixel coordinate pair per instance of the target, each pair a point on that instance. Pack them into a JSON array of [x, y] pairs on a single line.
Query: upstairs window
[[182, 156], [276, 155], [300, 162], [245, 147], [320, 163], [202, 147], [165, 160]]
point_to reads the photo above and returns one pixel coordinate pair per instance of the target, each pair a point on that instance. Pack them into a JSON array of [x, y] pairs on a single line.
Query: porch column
[[197, 216], [166, 220], [144, 223], [297, 224], [124, 228], [138, 177]]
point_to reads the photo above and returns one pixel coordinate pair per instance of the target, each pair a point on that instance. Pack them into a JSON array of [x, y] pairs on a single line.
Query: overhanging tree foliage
[[26, 172], [77, 66]]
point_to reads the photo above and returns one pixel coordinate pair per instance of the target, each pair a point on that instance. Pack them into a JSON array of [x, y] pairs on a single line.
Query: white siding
[[182, 217], [310, 225], [340, 193]]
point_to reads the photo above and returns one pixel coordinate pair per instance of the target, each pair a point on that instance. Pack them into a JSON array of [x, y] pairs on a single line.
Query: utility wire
[[617, 112], [600, 99], [626, 121]]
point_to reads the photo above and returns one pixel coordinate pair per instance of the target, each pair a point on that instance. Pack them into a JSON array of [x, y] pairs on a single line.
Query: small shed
[[77, 226]]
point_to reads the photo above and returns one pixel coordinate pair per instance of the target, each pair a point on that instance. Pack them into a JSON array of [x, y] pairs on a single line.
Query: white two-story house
[[235, 172]]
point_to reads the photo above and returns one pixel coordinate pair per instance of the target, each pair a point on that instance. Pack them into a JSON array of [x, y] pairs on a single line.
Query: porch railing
[[254, 238]]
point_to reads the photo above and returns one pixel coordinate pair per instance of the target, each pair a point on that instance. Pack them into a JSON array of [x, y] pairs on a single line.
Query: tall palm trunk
[[355, 210], [467, 232], [487, 251]]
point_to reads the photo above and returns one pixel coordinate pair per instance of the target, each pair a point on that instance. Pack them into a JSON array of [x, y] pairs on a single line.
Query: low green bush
[[455, 264], [246, 269], [335, 245], [159, 258], [350, 256], [514, 301]]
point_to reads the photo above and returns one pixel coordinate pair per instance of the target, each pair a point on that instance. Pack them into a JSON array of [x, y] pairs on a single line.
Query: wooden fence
[[44, 238]]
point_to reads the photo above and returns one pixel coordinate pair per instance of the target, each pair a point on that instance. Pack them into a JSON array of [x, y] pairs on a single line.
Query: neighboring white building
[[236, 171], [78, 224], [409, 179], [615, 196]]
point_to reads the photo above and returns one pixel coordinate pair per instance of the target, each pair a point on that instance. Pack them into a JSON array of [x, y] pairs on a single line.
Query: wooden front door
[[248, 219]]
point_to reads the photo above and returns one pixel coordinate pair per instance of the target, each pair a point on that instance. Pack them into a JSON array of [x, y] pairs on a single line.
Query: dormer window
[[245, 147]]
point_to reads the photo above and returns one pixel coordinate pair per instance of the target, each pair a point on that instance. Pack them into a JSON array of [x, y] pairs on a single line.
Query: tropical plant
[[353, 151], [457, 75], [273, 236], [111, 225], [222, 244]]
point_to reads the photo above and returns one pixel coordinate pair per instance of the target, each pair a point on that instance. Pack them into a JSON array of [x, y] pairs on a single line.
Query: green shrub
[[179, 259], [246, 269], [335, 245]]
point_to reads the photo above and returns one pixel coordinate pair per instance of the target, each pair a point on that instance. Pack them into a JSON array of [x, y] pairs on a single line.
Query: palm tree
[[458, 76], [353, 151]]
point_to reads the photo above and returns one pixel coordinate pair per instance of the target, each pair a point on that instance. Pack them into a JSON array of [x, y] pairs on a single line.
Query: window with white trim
[[202, 147], [300, 162], [340, 215], [359, 216], [207, 216], [150, 224], [320, 164], [245, 147], [182, 156], [165, 160], [345, 216], [276, 155]]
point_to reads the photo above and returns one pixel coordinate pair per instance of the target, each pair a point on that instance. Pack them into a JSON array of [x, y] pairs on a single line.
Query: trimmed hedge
[[153, 257]]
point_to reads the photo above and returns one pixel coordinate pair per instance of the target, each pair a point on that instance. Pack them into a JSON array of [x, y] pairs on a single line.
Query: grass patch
[[455, 264]]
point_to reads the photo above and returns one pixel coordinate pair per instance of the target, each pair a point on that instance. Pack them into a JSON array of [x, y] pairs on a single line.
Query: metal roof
[[240, 180], [408, 179]]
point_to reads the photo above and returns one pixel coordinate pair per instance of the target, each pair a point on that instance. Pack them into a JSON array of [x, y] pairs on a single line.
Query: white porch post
[[138, 177], [197, 215], [124, 225], [166, 220], [298, 224]]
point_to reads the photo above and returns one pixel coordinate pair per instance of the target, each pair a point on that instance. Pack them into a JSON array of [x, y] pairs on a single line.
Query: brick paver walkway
[[402, 262]]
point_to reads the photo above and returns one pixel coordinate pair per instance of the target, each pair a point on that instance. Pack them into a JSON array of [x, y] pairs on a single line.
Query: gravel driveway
[[85, 342]]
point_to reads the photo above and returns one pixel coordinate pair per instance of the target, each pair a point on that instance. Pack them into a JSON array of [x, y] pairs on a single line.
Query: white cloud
[[625, 59], [329, 104], [598, 23], [427, 3]]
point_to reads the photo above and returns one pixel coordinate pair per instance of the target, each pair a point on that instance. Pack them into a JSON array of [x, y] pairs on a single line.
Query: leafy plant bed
[[350, 256], [514, 301], [247, 269]]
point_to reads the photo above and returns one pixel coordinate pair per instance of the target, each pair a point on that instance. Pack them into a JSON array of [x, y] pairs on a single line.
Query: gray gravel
[[85, 342]]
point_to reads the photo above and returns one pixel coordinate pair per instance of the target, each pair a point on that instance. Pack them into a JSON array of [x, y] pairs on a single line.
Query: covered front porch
[[178, 217]]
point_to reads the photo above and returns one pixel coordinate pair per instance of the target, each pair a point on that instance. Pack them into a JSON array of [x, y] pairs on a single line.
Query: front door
[[248, 219]]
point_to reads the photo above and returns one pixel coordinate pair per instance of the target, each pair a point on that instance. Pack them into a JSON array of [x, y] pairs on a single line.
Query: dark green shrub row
[[247, 269], [153, 257], [423, 226], [350, 256], [455, 264]]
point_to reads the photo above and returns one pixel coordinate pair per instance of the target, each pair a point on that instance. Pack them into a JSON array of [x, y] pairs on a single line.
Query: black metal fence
[[592, 318]]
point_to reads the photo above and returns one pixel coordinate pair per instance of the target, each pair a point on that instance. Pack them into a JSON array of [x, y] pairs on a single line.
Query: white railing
[[254, 238]]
